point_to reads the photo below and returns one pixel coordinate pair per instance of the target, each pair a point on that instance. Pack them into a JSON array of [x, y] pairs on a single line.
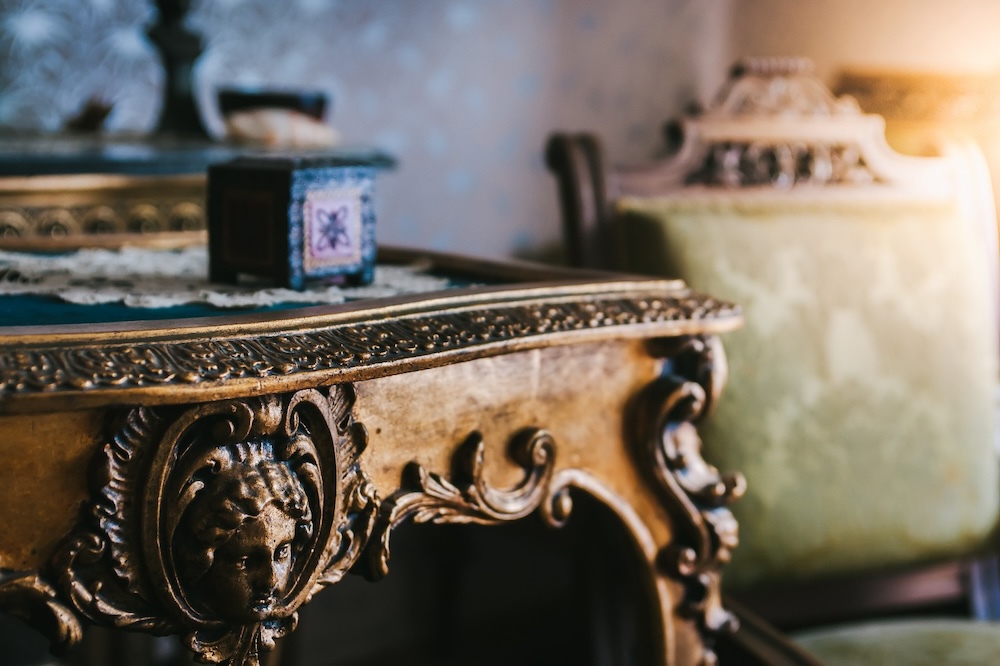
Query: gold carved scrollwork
[[695, 492], [427, 497], [29, 597], [219, 521]]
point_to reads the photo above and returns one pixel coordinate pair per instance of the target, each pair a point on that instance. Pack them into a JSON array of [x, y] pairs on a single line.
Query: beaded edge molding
[[338, 347]]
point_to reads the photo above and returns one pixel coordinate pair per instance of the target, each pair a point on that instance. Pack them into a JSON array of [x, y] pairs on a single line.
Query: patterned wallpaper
[[462, 92]]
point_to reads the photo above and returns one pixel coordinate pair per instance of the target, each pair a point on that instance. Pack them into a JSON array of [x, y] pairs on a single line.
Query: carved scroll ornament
[[28, 596], [218, 522], [428, 497], [668, 446]]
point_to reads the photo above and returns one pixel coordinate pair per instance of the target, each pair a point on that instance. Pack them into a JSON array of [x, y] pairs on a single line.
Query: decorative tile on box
[[292, 218]]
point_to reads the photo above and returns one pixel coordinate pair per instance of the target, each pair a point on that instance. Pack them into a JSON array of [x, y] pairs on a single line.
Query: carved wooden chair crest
[[861, 393]]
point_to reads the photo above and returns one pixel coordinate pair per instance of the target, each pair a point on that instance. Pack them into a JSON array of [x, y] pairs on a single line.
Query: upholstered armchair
[[861, 399]]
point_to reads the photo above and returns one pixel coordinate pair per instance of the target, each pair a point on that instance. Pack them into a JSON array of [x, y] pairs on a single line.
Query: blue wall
[[463, 92]]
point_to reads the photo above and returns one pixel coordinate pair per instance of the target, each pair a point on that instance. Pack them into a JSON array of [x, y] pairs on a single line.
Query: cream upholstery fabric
[[860, 400], [906, 643]]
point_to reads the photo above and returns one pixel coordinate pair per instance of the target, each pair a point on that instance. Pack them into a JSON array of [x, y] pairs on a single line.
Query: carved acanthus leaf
[[29, 597], [362, 510], [428, 497]]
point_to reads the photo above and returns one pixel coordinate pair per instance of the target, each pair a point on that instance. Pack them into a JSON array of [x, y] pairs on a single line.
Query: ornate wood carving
[[219, 521], [783, 87], [428, 497], [786, 89], [141, 217], [340, 346], [668, 446], [34, 600], [69, 211], [782, 164]]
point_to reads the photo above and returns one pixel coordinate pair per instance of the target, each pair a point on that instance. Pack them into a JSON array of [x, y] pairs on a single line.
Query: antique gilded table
[[207, 476]]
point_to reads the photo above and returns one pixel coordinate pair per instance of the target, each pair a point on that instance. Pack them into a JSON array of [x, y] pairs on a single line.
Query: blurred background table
[[93, 191]]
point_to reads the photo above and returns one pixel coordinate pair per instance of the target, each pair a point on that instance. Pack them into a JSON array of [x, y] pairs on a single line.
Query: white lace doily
[[145, 278]]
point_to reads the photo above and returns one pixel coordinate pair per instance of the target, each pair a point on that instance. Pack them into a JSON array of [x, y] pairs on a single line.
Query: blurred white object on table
[[279, 127]]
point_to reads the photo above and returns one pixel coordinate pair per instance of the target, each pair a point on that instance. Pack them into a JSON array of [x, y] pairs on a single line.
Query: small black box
[[291, 218]]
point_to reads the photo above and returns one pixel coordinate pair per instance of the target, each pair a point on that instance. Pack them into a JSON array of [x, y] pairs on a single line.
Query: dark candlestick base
[[179, 50]]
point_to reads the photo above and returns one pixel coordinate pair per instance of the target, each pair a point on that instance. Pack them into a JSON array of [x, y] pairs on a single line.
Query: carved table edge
[[77, 372]]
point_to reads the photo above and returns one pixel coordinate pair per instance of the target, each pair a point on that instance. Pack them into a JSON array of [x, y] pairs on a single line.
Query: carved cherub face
[[246, 527], [250, 572]]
